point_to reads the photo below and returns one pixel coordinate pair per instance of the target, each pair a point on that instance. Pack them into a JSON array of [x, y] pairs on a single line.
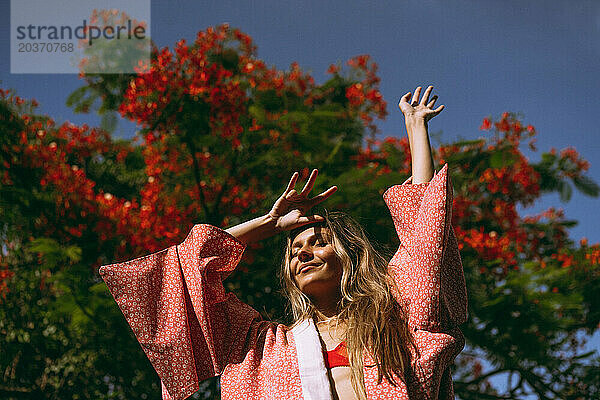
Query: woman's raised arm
[[416, 115], [427, 267], [290, 211]]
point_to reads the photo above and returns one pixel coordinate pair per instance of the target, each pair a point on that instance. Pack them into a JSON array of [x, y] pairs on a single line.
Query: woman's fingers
[[291, 183], [425, 97], [415, 99], [310, 183], [292, 195], [439, 109], [307, 220], [432, 102], [424, 101], [323, 196], [404, 99]]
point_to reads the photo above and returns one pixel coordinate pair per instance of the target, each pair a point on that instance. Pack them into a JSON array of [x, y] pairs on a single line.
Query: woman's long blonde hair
[[374, 320]]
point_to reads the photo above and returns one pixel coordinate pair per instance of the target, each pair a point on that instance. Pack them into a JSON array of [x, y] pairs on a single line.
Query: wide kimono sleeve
[[177, 307], [427, 267]]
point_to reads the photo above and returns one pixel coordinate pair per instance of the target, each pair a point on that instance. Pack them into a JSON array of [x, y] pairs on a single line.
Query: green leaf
[[109, 121], [565, 190], [73, 253], [548, 158], [53, 253], [98, 288], [77, 95], [586, 185], [502, 158], [468, 142]]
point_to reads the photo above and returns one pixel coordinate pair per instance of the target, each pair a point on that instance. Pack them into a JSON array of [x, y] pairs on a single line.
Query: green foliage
[[62, 336], [59, 329]]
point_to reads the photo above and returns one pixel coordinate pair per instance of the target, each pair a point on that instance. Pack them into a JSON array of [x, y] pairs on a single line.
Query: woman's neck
[[326, 308], [331, 329], [325, 314]]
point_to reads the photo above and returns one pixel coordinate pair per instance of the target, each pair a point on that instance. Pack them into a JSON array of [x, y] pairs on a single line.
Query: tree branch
[[224, 187], [483, 377], [538, 384], [198, 180], [20, 392]]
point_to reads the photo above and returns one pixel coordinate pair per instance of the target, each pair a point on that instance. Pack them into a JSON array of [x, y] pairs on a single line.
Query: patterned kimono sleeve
[[427, 266], [175, 303]]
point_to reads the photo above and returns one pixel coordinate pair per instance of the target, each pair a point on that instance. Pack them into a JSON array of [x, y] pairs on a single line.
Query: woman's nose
[[304, 255]]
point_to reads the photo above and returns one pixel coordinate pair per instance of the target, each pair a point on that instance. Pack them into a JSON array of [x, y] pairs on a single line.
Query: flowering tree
[[219, 131], [531, 289]]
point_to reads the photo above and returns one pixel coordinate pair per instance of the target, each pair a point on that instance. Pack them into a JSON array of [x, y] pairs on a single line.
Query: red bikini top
[[337, 357]]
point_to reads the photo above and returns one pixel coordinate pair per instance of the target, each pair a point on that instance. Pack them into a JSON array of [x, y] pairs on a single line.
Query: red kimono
[[191, 329]]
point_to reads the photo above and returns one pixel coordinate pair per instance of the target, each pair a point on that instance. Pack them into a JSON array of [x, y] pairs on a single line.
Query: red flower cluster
[[574, 164], [195, 109], [484, 211], [5, 274], [376, 153], [364, 96], [509, 130]]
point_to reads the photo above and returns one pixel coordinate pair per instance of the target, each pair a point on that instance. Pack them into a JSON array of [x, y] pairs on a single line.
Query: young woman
[[364, 328]]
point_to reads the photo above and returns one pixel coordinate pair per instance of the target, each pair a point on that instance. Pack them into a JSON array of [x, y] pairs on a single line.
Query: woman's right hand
[[419, 109], [291, 210]]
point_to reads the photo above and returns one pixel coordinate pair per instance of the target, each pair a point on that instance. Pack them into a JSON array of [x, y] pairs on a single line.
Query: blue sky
[[539, 58]]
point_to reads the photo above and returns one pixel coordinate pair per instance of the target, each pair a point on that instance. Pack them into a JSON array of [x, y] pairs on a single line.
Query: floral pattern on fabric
[[191, 329]]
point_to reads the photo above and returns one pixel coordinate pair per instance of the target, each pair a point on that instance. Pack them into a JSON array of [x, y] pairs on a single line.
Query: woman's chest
[[332, 339]]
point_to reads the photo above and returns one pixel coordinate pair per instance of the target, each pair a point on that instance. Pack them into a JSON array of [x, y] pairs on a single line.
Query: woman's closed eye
[[318, 244]]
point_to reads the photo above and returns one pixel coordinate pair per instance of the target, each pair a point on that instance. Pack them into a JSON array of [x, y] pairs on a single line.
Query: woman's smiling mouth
[[308, 267]]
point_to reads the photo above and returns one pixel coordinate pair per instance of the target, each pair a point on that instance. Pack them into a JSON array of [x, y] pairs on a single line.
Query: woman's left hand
[[419, 110], [291, 210]]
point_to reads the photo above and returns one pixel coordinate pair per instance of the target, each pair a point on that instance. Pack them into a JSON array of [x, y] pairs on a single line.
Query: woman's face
[[314, 266]]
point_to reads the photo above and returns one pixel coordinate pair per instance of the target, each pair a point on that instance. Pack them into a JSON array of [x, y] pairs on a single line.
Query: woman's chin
[[312, 284]]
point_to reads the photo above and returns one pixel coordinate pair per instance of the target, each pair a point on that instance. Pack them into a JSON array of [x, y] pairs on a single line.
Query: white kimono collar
[[313, 374]]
